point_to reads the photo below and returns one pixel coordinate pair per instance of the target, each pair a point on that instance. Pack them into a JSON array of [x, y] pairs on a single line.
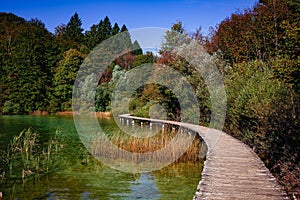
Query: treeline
[[268, 32], [38, 68]]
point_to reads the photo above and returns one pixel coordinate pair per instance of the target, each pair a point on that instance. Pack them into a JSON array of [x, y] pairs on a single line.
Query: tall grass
[[135, 144], [26, 157]]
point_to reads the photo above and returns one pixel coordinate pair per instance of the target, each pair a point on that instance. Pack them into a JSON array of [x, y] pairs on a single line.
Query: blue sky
[[133, 13]]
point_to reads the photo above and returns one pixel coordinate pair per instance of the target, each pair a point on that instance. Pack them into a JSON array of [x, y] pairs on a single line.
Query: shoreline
[[101, 115]]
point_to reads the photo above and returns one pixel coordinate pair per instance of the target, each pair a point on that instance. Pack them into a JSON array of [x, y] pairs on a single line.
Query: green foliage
[[63, 81], [92, 37], [143, 59], [103, 98], [137, 50], [124, 28], [26, 65], [73, 31], [106, 28], [262, 47], [178, 27], [176, 37], [105, 89], [116, 29], [10, 107], [269, 31], [264, 113], [287, 69], [100, 32], [175, 40], [150, 95]]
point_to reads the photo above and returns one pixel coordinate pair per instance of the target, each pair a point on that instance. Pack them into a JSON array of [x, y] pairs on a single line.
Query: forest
[[256, 50]]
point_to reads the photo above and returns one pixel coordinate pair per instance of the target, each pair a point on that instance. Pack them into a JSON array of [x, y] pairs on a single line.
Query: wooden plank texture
[[231, 169]]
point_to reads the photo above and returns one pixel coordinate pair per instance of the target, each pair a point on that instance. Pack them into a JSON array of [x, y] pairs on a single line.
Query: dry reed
[[174, 147]]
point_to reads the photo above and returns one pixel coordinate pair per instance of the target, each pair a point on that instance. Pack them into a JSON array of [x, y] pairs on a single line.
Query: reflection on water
[[142, 188], [92, 180]]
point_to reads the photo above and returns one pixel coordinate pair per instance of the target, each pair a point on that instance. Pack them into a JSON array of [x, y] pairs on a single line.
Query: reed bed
[[25, 157], [165, 145]]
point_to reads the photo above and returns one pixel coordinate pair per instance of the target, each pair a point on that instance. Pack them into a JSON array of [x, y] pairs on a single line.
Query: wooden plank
[[231, 170]]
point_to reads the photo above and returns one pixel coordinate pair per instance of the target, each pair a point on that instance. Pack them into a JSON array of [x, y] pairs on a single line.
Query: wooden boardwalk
[[231, 169]]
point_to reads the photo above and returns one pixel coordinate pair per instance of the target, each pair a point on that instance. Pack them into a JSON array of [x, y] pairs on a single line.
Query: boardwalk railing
[[231, 169]]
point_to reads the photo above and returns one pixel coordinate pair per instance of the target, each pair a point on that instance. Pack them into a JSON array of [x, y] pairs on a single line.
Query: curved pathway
[[231, 169]]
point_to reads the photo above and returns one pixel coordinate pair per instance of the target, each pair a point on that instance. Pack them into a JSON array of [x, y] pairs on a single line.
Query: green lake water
[[73, 180]]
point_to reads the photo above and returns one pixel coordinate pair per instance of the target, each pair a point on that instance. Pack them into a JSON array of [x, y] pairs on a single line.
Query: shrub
[[263, 112]]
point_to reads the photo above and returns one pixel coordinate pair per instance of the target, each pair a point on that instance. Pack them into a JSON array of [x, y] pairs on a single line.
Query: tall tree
[[106, 28], [175, 37], [100, 32], [63, 81], [73, 33], [27, 75], [92, 37], [268, 32], [115, 29]]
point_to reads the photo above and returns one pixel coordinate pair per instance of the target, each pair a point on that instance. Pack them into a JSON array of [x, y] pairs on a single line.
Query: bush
[[10, 107], [263, 112]]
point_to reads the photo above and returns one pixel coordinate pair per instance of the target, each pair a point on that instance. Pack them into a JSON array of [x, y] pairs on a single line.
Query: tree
[[100, 32], [8, 31], [63, 81], [115, 29], [267, 32], [106, 28], [124, 28], [92, 37], [74, 29], [37, 56], [261, 113], [72, 34], [26, 70], [137, 50], [38, 68], [143, 59], [175, 38]]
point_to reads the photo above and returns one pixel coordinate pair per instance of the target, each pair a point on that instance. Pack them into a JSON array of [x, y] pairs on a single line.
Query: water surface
[[92, 180]]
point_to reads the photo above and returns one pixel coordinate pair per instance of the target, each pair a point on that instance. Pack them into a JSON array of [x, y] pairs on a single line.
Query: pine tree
[[92, 37], [100, 32], [175, 38], [74, 30], [115, 29], [106, 30], [137, 50], [124, 28]]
